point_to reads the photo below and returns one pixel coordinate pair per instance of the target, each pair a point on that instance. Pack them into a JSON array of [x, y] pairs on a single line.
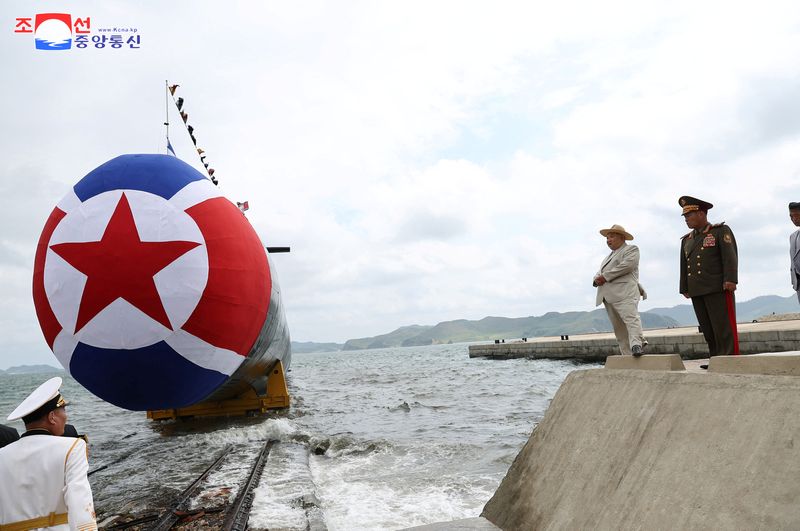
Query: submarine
[[156, 294]]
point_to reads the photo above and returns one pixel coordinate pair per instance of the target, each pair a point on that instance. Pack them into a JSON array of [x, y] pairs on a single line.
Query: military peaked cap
[[690, 204], [39, 403]]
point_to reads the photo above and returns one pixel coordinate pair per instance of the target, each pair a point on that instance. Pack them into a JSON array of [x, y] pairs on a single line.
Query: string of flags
[[179, 103]]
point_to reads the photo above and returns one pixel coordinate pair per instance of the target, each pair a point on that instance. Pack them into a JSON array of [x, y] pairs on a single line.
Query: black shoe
[[637, 350], [704, 367]]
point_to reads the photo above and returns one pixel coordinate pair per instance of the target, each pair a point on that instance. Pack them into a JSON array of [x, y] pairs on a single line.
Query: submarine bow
[[154, 291]]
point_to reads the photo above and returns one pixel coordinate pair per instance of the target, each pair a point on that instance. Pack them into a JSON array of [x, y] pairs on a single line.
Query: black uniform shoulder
[[687, 235], [7, 435], [722, 228]]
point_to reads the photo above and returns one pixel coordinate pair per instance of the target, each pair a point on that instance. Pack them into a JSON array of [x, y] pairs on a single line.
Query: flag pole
[[166, 109]]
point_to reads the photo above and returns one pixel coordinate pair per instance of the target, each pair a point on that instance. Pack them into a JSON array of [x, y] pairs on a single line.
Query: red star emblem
[[121, 265]]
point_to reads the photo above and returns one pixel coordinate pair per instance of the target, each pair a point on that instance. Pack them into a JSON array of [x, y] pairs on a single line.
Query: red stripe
[[47, 319], [234, 304], [732, 318]]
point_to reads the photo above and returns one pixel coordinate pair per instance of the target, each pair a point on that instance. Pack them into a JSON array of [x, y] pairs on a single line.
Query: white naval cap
[[47, 392]]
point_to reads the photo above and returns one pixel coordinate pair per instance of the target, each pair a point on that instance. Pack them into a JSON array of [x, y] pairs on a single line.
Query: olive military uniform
[[709, 257]]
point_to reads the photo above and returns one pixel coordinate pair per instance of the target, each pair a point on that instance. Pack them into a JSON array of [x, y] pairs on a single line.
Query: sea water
[[374, 439]]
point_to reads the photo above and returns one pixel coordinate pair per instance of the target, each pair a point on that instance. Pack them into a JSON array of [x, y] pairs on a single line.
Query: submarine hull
[[154, 291]]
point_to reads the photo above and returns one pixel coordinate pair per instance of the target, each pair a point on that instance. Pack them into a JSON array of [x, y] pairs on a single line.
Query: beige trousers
[[624, 317]]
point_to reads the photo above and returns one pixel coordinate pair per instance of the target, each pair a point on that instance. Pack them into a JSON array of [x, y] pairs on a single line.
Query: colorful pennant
[[179, 103]]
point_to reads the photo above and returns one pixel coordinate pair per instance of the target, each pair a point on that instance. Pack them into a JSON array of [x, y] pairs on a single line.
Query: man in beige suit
[[618, 288]]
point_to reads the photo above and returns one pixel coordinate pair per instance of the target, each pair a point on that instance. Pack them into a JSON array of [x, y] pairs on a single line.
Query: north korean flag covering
[[150, 287]]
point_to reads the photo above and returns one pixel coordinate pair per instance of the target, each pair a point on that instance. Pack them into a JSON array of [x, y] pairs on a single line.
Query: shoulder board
[[717, 225], [687, 235]]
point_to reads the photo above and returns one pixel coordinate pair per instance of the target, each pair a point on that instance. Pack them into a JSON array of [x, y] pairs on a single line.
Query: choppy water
[[411, 436]]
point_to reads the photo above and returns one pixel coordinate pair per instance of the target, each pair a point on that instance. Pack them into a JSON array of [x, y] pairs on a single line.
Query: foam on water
[[286, 496], [397, 437]]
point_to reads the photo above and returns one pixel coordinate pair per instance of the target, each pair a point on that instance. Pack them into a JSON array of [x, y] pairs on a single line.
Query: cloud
[[427, 161]]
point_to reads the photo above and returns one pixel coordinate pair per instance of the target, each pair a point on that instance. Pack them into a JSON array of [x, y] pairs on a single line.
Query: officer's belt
[[35, 523]]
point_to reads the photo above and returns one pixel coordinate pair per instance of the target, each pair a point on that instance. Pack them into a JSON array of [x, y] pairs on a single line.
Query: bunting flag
[[169, 148], [180, 104], [243, 206]]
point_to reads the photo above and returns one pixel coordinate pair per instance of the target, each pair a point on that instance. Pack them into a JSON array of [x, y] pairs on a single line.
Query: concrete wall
[[689, 344], [627, 449]]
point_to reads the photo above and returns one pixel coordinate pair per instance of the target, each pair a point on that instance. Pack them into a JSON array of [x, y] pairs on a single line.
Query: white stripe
[[203, 354], [63, 347], [194, 193], [69, 201]]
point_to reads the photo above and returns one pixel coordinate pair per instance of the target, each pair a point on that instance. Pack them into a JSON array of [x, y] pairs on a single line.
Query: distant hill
[[31, 369], [392, 339], [746, 311], [556, 324], [462, 330], [307, 347]]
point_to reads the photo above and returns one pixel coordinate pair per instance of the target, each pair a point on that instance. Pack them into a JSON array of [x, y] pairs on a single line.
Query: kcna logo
[[53, 31], [60, 31]]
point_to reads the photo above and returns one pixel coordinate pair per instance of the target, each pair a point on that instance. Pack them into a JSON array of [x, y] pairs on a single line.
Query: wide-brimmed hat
[[619, 229]]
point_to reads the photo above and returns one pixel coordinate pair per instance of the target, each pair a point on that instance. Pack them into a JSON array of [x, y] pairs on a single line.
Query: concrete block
[[771, 335], [684, 349], [693, 339], [648, 362], [789, 335], [780, 364], [658, 450], [467, 524]]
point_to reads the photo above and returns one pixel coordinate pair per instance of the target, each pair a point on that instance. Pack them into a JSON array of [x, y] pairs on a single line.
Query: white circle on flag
[[121, 325]]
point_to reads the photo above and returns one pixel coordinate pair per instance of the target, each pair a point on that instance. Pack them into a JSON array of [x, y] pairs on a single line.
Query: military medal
[[709, 241]]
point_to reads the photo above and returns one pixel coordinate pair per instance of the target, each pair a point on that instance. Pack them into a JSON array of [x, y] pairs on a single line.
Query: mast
[[166, 110]]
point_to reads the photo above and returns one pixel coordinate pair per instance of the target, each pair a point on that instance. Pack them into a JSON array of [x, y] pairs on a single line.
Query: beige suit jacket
[[621, 271]]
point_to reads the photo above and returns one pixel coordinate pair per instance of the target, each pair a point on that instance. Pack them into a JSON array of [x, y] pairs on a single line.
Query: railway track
[[171, 516], [239, 513], [235, 515]]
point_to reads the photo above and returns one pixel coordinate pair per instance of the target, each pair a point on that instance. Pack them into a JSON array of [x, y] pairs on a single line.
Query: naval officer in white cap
[[43, 481]]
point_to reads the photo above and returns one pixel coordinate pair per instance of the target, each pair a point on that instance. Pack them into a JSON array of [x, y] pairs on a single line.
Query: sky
[[425, 161]]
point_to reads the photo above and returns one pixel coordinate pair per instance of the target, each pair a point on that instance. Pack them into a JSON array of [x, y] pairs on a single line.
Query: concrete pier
[[644, 449], [754, 338]]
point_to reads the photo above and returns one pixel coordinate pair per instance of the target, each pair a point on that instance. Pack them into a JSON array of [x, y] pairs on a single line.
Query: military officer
[[709, 268], [43, 476]]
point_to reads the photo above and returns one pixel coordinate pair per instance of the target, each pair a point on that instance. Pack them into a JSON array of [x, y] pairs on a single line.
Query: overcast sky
[[426, 161]]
